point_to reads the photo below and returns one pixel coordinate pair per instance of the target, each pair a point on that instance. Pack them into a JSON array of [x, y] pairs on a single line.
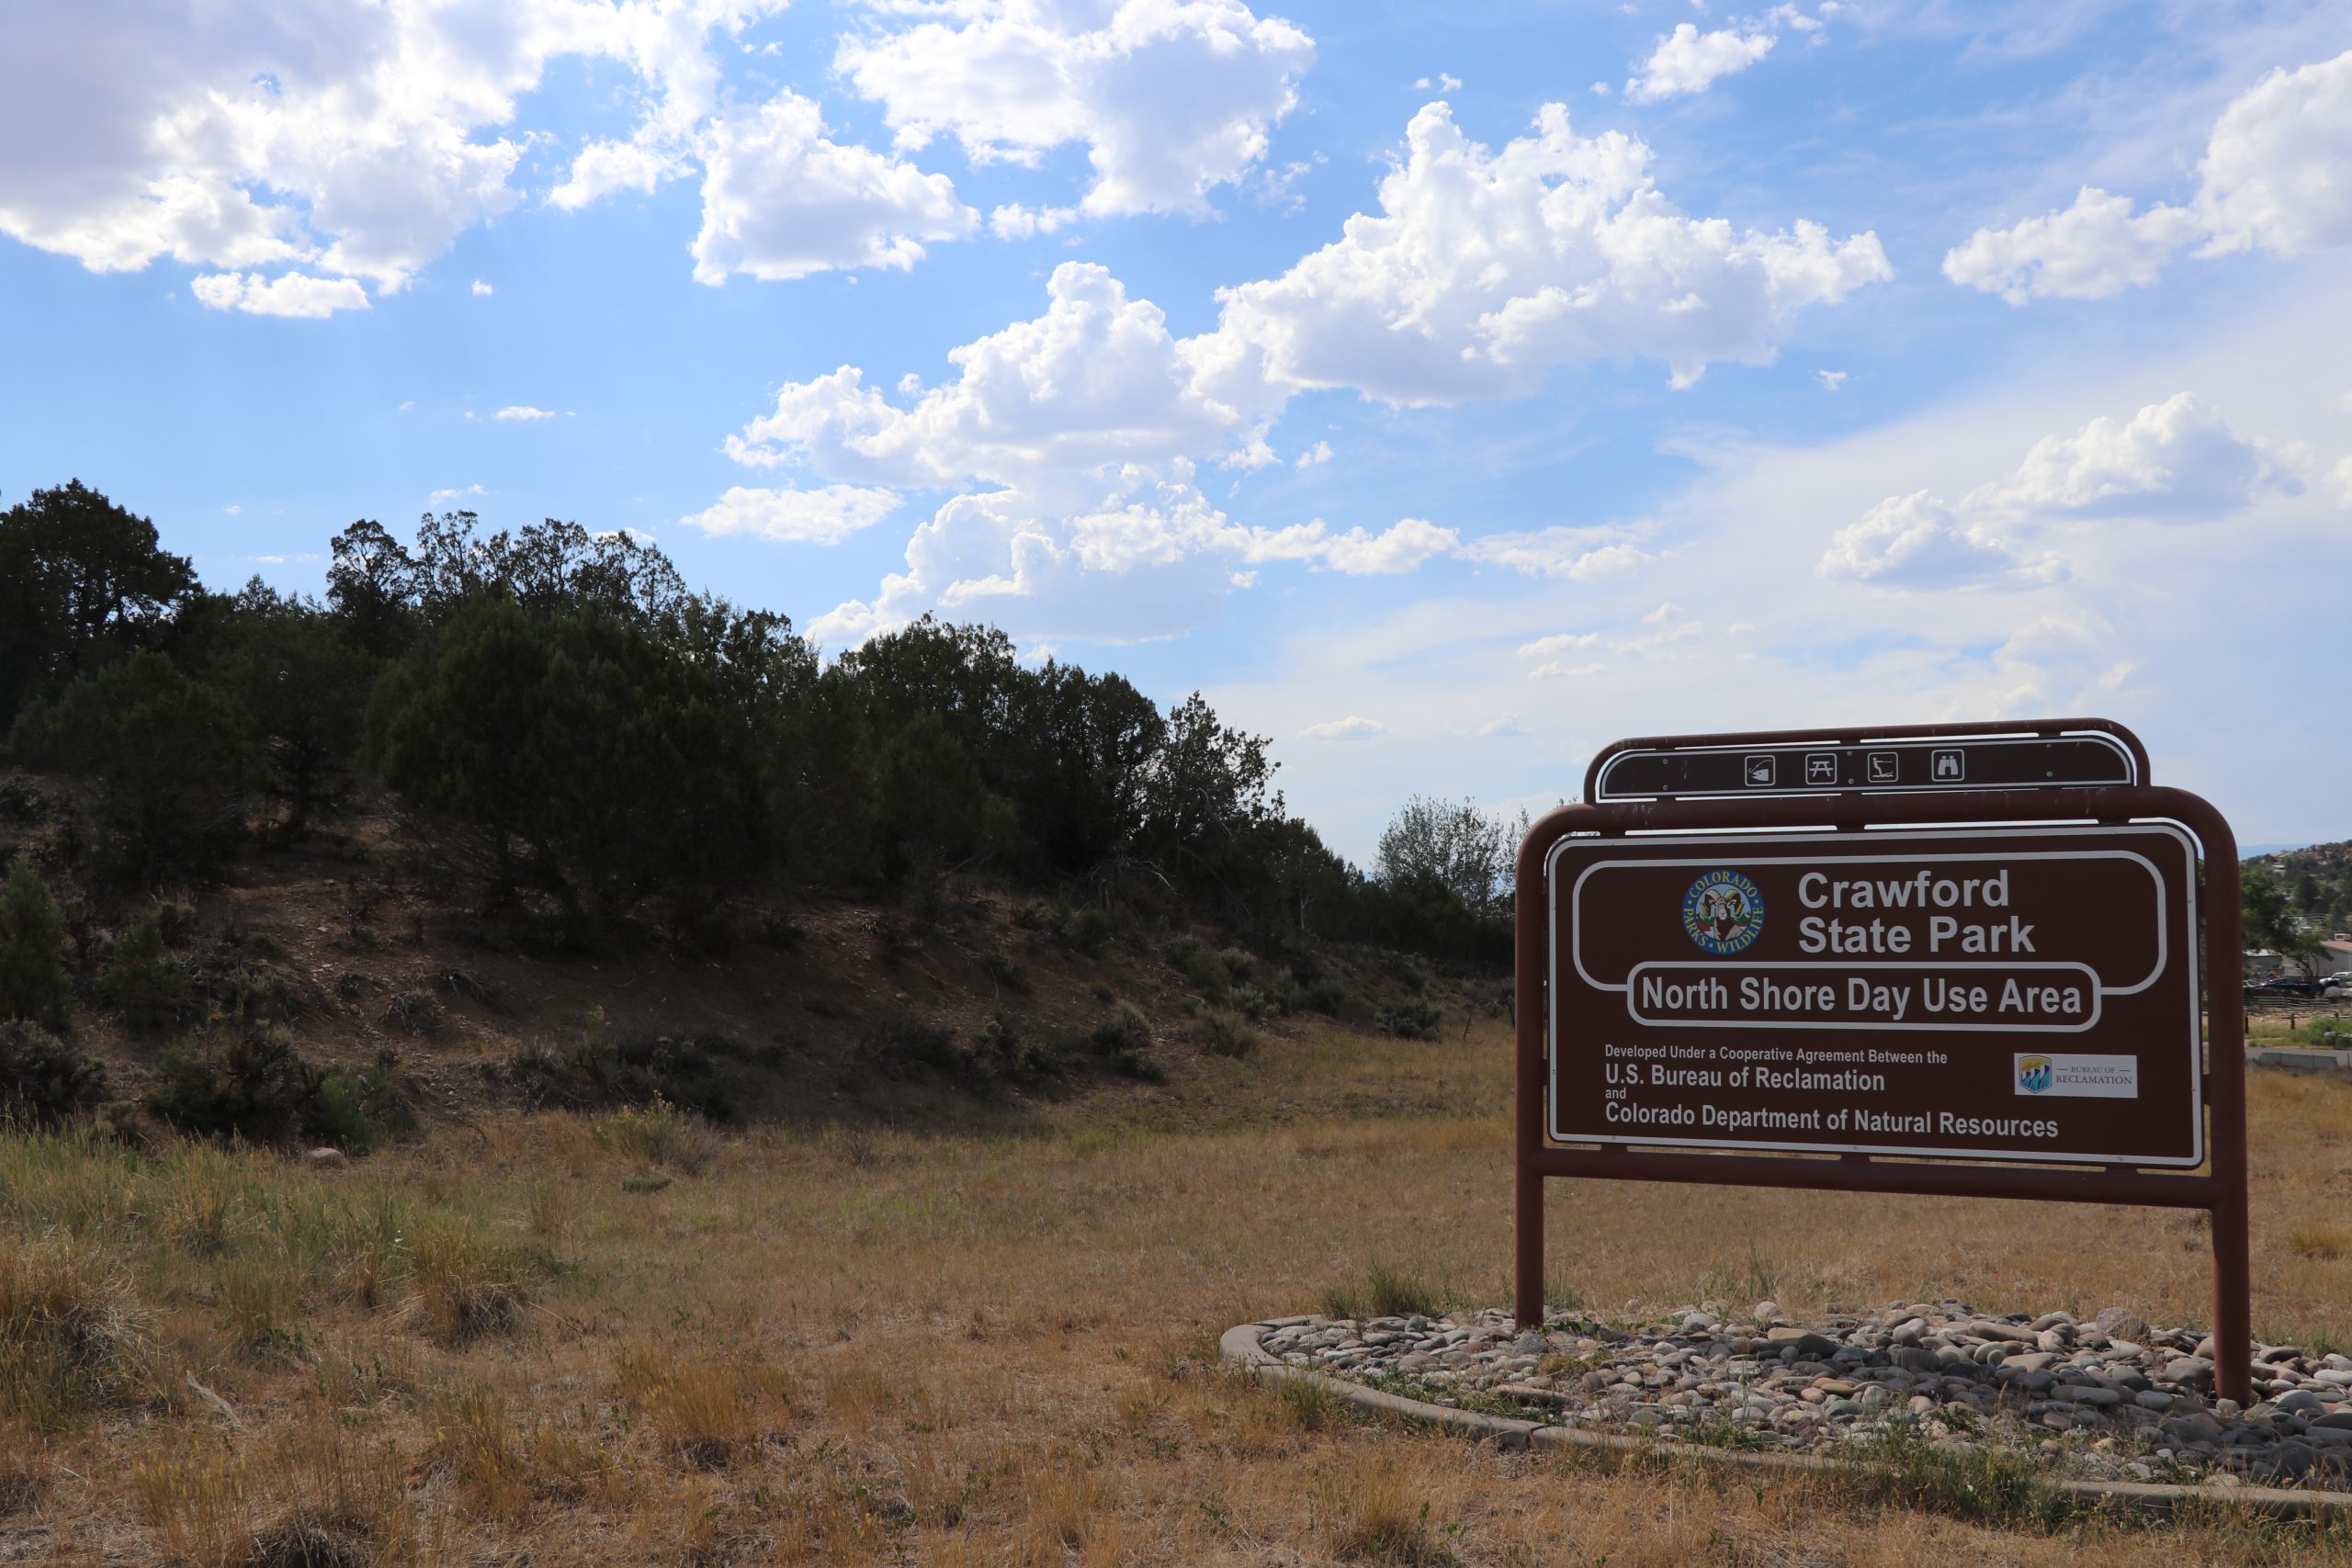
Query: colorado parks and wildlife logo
[[1724, 912], [2034, 1074]]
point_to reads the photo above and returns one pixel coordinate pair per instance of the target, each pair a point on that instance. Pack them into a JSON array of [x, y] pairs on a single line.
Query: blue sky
[[1444, 395]]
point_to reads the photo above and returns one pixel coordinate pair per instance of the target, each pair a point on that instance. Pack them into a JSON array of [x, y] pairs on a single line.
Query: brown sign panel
[[1984, 994]]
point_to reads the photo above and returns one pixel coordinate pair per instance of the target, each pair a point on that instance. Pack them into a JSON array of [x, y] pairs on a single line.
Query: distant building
[[2334, 957]]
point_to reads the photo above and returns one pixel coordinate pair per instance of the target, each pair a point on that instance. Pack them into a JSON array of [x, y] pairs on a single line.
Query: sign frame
[[2220, 1189], [1874, 742]]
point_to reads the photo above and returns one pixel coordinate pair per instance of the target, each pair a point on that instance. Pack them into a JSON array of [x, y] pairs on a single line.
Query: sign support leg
[[1530, 909], [2225, 1064], [2232, 1334]]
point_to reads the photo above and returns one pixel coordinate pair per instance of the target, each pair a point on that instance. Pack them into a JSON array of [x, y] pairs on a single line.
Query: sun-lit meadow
[[632, 1339]]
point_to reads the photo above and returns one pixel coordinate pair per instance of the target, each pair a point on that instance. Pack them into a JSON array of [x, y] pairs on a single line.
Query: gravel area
[[2109, 1397]]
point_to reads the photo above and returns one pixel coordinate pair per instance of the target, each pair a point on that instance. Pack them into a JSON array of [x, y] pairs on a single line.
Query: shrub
[[41, 1079], [601, 1071], [1000, 967], [253, 1086], [659, 1134], [1201, 967], [1125, 1030], [1137, 1063], [361, 1108], [412, 1012], [1089, 930], [1224, 1034], [904, 1037], [1326, 996], [147, 986], [1006, 1048], [33, 981], [1413, 1018]]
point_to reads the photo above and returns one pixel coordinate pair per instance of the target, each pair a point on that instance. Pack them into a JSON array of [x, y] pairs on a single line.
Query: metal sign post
[[1999, 979]]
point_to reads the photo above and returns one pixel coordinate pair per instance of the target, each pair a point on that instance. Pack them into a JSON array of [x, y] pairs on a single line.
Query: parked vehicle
[[2280, 985]]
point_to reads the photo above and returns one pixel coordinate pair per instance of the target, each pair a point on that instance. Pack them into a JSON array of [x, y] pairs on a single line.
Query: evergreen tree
[[303, 681], [171, 755], [934, 805], [33, 980], [79, 576], [601, 762]]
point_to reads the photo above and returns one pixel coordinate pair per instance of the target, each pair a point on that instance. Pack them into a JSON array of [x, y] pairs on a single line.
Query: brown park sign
[[2022, 994], [1959, 960]]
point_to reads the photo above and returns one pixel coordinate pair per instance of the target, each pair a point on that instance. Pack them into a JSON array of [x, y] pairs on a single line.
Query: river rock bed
[[2109, 1397]]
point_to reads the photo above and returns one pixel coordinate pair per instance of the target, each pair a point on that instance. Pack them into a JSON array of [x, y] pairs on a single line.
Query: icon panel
[[1760, 771], [1948, 767], [1885, 767], [1821, 767]]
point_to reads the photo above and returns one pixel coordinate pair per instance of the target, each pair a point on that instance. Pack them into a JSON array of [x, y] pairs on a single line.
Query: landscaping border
[[1241, 1344]]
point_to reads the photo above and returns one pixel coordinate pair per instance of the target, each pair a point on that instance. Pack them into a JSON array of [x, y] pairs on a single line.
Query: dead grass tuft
[[69, 1333], [708, 1411], [316, 1497], [1383, 1514], [464, 1286], [22, 1480], [2323, 1243], [476, 1442]]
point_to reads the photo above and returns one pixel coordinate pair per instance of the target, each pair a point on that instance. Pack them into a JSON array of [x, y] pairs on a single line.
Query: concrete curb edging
[[1241, 1344], [2296, 1059]]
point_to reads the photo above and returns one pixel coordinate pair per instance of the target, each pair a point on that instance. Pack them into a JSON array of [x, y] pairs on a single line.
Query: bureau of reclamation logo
[[1724, 912]]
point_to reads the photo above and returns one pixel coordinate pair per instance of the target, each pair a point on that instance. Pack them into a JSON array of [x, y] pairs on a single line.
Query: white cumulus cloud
[[524, 411], [780, 200], [2272, 179], [1170, 99], [2175, 461], [1355, 726], [1096, 379], [1916, 541], [2089, 251], [1688, 61], [288, 294], [1485, 269], [1578, 555], [1074, 438], [825, 517], [1401, 547]]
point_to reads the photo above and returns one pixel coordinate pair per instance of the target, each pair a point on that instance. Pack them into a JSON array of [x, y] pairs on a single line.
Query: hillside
[[2317, 880], [353, 947]]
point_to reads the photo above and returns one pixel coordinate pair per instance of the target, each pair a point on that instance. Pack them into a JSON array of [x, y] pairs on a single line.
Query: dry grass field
[[621, 1339]]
